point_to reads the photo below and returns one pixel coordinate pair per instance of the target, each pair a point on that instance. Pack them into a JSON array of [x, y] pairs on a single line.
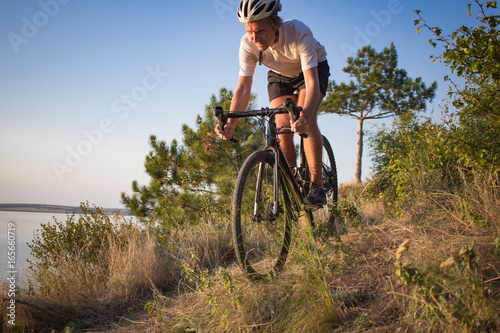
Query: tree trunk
[[359, 153]]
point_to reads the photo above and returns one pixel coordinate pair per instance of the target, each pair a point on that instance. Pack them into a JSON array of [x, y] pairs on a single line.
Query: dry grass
[[353, 285], [134, 267], [346, 285], [209, 242], [70, 292]]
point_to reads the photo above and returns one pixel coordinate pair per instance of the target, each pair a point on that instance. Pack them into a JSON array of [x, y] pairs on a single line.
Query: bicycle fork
[[258, 190]]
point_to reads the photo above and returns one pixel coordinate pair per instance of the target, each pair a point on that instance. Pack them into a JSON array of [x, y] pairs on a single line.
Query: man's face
[[261, 33]]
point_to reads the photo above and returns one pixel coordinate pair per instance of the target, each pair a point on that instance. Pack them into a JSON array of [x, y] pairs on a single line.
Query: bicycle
[[268, 196]]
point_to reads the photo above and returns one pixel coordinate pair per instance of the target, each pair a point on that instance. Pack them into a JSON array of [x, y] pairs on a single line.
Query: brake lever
[[222, 119], [294, 114]]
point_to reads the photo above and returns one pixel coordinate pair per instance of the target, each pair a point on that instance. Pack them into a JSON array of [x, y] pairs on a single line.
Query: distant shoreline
[[56, 209]]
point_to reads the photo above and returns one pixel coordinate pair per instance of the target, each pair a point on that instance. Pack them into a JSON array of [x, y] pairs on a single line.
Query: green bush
[[418, 160], [411, 160], [79, 243]]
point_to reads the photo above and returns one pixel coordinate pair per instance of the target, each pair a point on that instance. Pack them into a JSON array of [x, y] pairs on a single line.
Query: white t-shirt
[[295, 51]]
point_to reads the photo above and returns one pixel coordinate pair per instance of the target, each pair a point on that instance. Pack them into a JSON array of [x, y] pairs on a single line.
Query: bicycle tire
[[261, 239], [330, 183]]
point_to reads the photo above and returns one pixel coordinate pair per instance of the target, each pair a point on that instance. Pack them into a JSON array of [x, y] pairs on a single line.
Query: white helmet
[[255, 10]]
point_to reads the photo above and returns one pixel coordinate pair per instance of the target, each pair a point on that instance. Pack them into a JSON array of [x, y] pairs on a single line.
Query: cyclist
[[298, 70]]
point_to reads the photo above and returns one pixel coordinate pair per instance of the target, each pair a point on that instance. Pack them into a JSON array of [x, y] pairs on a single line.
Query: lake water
[[26, 225]]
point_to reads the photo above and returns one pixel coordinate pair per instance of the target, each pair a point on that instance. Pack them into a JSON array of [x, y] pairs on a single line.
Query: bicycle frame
[[272, 143], [262, 220]]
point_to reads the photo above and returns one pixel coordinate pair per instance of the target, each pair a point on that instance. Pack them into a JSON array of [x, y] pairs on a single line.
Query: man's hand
[[228, 131], [300, 126]]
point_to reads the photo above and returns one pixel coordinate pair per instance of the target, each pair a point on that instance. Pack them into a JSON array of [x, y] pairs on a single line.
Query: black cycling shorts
[[279, 85]]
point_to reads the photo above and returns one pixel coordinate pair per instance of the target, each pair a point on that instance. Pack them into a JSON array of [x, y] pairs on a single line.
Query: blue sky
[[83, 84]]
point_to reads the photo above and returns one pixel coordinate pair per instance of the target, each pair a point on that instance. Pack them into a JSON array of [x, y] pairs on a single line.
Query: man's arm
[[242, 93], [239, 102]]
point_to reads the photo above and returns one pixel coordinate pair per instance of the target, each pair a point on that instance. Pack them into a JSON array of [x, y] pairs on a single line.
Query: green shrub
[[423, 161], [76, 251], [83, 238]]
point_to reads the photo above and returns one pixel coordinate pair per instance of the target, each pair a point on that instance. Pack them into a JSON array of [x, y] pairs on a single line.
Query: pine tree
[[381, 90], [190, 179]]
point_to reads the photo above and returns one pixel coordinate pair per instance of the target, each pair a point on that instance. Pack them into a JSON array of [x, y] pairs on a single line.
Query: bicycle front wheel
[[261, 217]]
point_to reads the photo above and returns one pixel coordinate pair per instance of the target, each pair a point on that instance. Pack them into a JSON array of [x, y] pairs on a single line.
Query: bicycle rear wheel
[[330, 184], [261, 232]]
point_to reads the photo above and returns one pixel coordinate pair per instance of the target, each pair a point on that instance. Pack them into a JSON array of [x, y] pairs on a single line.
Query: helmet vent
[[253, 4], [240, 8], [259, 9], [245, 11], [255, 10], [271, 7]]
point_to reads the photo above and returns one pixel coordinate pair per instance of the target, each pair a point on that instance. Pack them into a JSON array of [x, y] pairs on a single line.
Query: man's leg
[[313, 145]]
